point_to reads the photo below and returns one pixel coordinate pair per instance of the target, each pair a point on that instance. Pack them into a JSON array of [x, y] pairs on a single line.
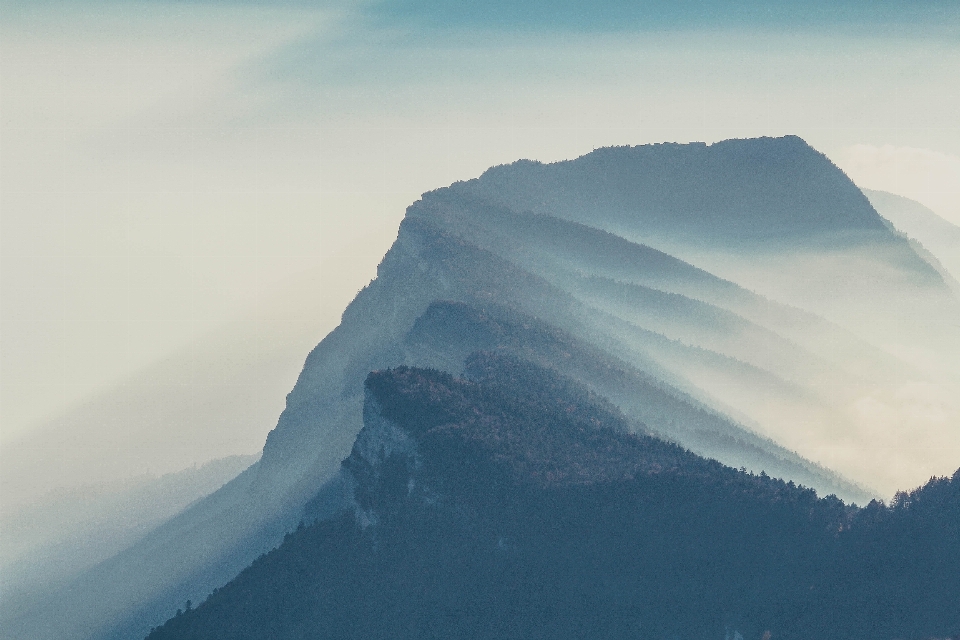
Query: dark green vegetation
[[515, 504]]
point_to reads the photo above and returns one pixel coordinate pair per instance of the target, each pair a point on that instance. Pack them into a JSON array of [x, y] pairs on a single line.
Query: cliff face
[[514, 504]]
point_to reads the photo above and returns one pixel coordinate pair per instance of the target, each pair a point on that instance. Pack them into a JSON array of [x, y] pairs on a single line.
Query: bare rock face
[[384, 459]]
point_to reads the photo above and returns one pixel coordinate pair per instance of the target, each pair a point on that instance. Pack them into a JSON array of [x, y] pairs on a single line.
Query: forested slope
[[516, 504]]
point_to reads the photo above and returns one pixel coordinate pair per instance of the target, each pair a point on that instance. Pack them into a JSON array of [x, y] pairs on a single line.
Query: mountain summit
[[735, 192]]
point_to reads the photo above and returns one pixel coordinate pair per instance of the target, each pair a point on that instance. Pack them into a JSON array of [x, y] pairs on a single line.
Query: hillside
[[514, 504]]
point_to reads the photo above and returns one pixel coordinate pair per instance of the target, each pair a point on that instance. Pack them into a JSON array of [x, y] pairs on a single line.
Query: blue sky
[[657, 15]]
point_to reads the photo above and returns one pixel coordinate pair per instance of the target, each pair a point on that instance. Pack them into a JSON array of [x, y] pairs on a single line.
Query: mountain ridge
[[667, 174], [443, 256]]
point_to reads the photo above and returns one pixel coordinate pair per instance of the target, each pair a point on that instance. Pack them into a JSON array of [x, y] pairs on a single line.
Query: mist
[[169, 171], [192, 194]]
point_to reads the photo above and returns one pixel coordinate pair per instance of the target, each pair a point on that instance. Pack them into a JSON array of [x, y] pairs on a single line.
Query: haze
[[169, 169]]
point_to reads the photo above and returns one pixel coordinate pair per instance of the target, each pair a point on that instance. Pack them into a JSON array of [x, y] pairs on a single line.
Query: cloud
[[908, 432]]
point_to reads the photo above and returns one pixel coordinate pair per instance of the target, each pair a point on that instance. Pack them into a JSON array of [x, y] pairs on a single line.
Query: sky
[[167, 167]]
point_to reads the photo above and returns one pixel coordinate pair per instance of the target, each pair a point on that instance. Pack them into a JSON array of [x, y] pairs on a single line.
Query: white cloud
[[121, 238], [907, 435]]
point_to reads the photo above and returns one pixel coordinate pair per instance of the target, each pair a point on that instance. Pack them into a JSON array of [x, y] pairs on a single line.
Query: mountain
[[514, 503], [546, 264]]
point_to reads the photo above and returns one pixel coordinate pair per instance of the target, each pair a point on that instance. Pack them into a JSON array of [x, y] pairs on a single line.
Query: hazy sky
[[169, 166]]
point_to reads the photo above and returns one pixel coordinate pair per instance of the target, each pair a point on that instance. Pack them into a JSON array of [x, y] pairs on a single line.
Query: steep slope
[[220, 534], [323, 414], [515, 505], [939, 236], [80, 488]]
